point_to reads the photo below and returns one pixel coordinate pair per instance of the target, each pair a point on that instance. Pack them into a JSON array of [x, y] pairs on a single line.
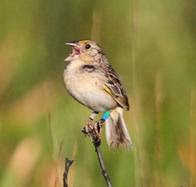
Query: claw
[[94, 131], [84, 131]]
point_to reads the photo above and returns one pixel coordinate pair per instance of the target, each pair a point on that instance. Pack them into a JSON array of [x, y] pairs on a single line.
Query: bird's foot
[[88, 125], [94, 131]]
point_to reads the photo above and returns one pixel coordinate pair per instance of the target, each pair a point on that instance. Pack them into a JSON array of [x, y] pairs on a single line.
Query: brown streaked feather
[[114, 87]]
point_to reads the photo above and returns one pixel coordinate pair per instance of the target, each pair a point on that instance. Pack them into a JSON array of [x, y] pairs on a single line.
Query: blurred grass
[[152, 46]]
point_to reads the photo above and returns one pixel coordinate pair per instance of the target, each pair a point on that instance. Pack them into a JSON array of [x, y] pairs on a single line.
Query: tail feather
[[116, 131]]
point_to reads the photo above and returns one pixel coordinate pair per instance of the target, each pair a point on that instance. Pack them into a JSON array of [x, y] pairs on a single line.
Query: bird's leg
[[92, 117], [94, 131], [89, 124], [98, 125]]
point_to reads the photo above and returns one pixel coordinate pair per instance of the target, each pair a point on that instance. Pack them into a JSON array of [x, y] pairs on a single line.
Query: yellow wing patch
[[122, 101], [106, 89]]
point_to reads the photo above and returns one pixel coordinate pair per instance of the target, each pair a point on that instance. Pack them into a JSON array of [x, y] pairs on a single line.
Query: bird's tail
[[116, 131]]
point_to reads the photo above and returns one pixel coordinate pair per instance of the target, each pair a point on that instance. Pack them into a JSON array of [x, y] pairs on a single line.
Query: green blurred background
[[151, 44]]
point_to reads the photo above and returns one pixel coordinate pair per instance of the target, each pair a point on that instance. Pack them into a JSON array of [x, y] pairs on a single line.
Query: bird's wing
[[113, 86]]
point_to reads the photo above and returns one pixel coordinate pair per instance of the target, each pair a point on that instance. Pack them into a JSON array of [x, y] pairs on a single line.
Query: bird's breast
[[87, 88]]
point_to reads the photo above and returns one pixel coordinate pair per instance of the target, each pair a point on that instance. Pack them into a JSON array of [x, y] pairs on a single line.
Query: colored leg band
[[105, 116]]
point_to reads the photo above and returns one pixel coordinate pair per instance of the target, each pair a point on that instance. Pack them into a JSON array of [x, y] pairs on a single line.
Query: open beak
[[75, 50]]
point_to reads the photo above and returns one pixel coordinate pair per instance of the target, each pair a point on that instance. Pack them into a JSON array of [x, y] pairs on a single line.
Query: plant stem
[[102, 166], [95, 138], [68, 163]]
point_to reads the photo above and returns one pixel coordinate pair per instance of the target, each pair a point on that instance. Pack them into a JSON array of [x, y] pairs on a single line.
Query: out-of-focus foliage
[[150, 43]]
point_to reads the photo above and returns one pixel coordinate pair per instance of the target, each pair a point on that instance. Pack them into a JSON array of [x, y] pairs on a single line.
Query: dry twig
[[68, 163], [95, 138]]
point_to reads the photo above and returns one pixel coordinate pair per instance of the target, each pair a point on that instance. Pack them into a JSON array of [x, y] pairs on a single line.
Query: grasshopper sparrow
[[92, 81]]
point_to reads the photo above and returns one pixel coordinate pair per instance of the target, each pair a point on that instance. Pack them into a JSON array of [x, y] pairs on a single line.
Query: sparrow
[[90, 79]]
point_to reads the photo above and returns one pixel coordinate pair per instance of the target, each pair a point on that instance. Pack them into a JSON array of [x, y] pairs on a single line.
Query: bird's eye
[[87, 46]]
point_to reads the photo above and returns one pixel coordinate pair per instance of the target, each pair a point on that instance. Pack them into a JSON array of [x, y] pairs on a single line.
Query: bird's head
[[86, 50]]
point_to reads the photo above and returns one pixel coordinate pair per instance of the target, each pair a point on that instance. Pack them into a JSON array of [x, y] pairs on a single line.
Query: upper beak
[[72, 44]]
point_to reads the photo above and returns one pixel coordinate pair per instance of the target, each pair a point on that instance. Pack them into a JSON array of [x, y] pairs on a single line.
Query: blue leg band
[[105, 115]]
